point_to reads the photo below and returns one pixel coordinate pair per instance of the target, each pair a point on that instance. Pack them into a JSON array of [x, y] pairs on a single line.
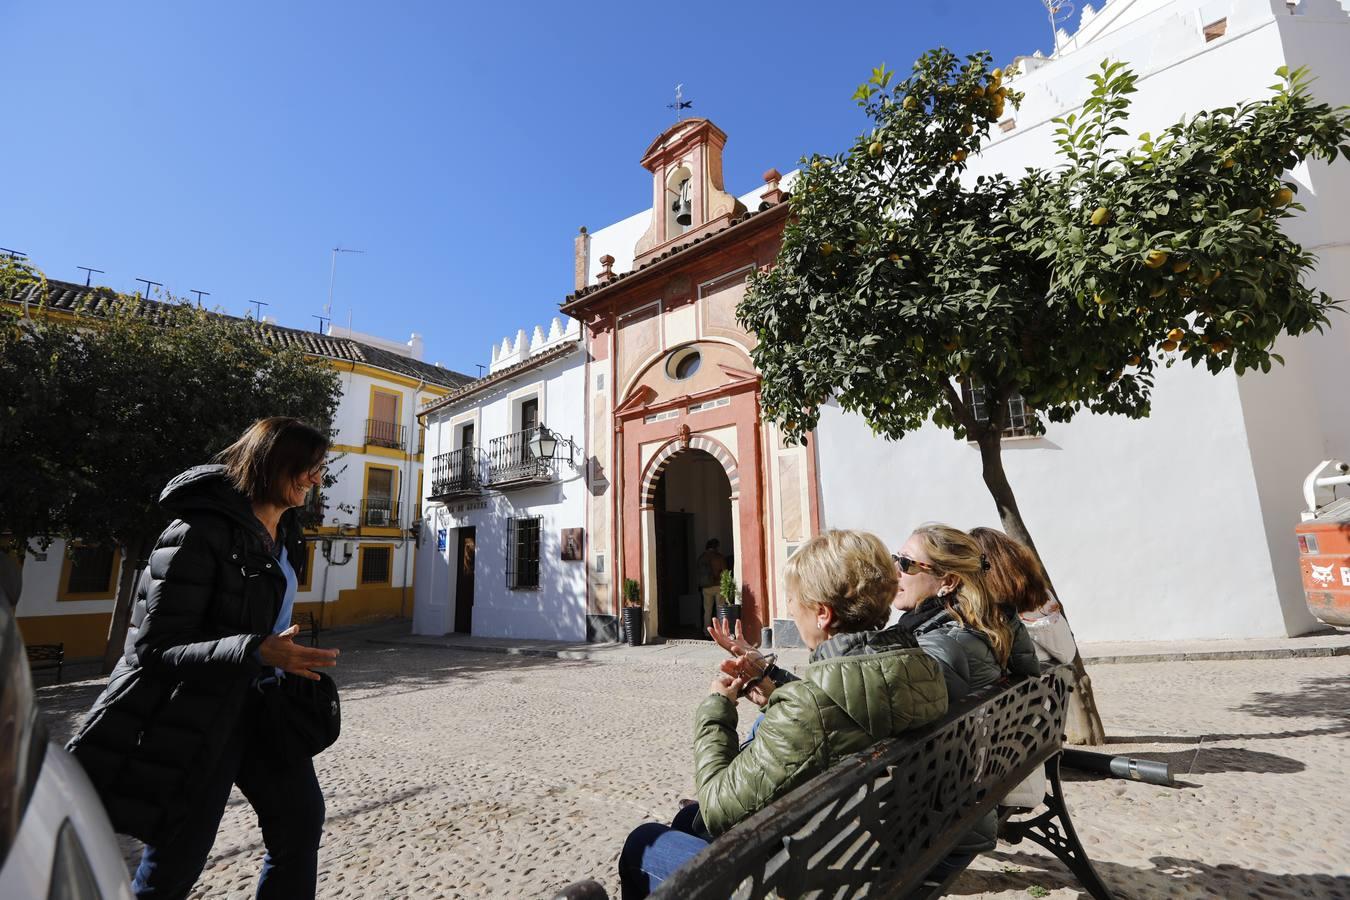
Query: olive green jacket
[[858, 689]]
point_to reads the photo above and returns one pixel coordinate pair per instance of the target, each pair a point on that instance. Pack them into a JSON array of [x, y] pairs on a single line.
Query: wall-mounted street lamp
[[545, 445]]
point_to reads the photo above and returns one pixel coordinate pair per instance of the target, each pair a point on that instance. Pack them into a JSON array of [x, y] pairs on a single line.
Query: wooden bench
[[877, 823], [47, 656]]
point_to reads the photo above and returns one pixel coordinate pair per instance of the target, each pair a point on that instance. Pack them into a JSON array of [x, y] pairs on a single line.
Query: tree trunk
[[137, 549], [1084, 723]]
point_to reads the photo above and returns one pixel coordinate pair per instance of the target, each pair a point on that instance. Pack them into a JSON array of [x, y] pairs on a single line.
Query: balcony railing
[[379, 512], [457, 473], [385, 434], [511, 462]]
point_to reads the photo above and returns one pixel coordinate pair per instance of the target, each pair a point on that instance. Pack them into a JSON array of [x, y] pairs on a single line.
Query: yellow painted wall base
[[84, 635], [362, 605]]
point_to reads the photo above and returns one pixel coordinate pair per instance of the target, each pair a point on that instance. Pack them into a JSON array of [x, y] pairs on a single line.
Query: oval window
[[683, 364]]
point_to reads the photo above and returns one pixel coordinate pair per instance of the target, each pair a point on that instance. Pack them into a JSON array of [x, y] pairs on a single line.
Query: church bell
[[682, 207]]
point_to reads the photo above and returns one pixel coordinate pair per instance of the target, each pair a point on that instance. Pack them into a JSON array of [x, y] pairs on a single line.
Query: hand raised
[[732, 642], [281, 651]]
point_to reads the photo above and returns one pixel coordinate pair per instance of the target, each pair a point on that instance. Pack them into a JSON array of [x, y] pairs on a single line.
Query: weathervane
[[1058, 11], [680, 103]]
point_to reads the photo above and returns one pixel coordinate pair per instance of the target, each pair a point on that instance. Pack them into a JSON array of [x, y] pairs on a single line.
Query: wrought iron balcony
[[458, 473], [385, 434], [379, 512], [511, 463]]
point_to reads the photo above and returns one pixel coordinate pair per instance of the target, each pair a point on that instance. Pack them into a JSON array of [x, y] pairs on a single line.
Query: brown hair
[[1015, 576], [848, 571], [270, 455], [953, 552]]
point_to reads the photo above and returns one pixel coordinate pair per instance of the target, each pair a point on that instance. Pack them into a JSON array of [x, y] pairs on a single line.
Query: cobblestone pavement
[[463, 774]]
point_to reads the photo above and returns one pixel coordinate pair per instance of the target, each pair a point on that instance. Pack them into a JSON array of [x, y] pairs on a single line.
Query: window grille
[[522, 556], [90, 570], [1021, 417], [375, 565]]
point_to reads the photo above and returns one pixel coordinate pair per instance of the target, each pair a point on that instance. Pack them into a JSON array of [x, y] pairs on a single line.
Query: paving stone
[[462, 774]]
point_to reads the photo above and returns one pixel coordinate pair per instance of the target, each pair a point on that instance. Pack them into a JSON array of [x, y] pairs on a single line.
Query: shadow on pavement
[[1170, 876], [1208, 760]]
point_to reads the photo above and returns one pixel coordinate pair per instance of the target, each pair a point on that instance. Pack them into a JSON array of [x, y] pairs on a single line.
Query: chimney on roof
[[416, 346], [581, 248]]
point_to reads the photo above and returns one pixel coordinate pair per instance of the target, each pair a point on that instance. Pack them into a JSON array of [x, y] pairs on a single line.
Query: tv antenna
[[89, 273], [480, 369], [680, 103], [332, 274], [148, 283], [200, 295], [1059, 12], [258, 305], [323, 321], [13, 254]]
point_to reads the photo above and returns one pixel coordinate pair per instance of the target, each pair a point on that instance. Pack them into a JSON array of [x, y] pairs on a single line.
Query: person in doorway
[[181, 719], [711, 565], [862, 685]]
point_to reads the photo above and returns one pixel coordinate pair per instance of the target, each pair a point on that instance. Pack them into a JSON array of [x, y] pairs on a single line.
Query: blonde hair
[[848, 571], [953, 552]]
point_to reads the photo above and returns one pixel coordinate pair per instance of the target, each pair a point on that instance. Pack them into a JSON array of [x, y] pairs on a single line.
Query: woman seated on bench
[[945, 601], [862, 685]]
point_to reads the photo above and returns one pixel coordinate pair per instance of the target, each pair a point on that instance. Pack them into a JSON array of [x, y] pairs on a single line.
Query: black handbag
[[306, 714]]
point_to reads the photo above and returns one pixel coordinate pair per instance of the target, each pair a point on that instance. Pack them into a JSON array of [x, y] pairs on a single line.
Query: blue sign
[[441, 537]]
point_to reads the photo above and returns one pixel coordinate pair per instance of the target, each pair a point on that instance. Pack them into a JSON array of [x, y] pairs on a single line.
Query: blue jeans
[[289, 804], [654, 851]]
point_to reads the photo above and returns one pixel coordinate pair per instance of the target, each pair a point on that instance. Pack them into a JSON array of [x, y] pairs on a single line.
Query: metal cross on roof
[[680, 103]]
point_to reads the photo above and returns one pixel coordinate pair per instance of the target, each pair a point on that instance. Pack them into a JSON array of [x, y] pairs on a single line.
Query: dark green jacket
[[858, 689]]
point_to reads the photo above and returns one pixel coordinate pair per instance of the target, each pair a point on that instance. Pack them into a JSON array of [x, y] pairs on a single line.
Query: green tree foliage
[[899, 277], [97, 414]]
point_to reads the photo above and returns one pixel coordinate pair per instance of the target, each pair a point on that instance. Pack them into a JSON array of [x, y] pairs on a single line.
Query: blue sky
[[230, 147]]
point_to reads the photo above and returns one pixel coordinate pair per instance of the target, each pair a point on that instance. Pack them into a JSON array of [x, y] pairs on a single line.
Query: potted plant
[[632, 612], [728, 607]]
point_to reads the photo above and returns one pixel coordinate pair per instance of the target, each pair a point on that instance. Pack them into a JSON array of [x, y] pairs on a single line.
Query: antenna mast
[[1058, 11]]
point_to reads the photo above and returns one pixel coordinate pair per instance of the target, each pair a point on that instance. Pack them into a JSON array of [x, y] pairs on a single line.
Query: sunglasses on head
[[906, 564]]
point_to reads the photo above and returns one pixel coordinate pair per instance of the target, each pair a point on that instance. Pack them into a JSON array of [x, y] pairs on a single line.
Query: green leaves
[[1011, 283]]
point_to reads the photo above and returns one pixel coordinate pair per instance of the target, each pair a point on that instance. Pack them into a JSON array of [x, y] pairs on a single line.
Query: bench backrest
[[877, 823], [46, 652]]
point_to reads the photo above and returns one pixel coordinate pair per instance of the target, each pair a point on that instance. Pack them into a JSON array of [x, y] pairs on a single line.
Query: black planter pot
[[632, 625], [729, 615]]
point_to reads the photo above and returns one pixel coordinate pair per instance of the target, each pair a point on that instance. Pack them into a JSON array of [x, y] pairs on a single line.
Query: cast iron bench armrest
[[879, 821]]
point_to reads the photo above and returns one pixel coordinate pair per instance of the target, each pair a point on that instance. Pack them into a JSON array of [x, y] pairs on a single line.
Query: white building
[[503, 529], [1178, 526]]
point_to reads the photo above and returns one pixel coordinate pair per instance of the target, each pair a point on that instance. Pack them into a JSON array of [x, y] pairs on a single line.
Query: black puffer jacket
[[205, 602]]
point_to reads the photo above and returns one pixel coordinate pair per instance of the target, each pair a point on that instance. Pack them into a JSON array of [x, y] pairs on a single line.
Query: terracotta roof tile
[[96, 301]]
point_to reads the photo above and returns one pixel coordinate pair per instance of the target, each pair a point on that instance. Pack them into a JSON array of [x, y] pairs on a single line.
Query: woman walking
[[181, 720]]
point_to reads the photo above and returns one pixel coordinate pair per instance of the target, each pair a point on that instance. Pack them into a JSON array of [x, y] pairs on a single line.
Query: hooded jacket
[[858, 689], [968, 665], [207, 598]]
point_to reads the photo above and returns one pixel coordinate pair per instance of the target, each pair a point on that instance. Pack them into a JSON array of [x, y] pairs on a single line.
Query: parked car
[[55, 839]]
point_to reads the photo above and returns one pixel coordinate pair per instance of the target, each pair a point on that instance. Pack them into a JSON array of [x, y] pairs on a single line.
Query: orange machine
[[1324, 543]]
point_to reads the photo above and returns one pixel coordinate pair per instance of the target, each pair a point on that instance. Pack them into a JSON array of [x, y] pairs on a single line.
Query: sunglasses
[[906, 564]]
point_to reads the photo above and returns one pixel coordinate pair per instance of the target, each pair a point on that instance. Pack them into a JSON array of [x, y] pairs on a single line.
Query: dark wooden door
[[464, 582]]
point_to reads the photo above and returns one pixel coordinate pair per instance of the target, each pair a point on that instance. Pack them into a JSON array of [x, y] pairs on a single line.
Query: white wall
[[557, 610], [1178, 526]]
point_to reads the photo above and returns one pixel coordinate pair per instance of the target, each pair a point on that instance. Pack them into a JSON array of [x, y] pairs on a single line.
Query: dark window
[[1021, 417], [687, 365], [522, 557], [90, 570], [375, 565], [529, 414], [466, 437]]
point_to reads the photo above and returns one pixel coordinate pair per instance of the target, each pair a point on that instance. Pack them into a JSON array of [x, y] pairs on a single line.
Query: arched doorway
[[692, 507]]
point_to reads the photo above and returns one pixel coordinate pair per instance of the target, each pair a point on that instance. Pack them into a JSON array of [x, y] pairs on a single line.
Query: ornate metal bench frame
[[879, 821]]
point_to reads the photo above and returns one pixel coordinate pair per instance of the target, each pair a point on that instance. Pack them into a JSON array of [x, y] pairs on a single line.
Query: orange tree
[[899, 276]]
